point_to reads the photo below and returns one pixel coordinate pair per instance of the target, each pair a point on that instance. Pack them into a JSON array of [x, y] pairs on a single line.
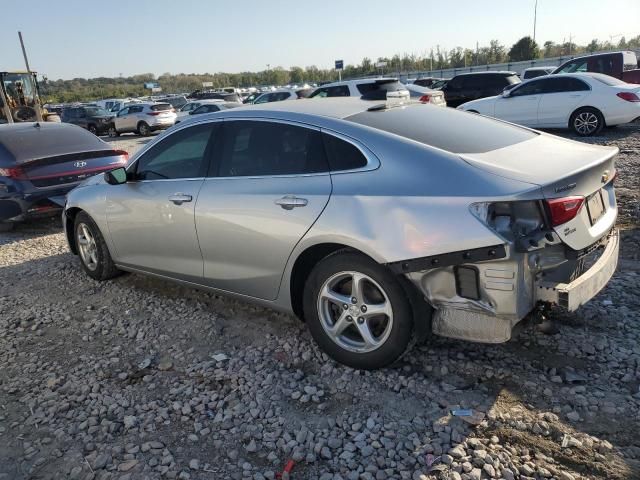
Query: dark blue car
[[41, 162]]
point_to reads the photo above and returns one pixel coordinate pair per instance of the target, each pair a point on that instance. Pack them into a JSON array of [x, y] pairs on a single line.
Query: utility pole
[[535, 18], [570, 38], [477, 52], [24, 52]]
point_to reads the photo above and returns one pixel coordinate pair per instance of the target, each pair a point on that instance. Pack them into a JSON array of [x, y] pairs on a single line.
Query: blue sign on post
[[339, 65]]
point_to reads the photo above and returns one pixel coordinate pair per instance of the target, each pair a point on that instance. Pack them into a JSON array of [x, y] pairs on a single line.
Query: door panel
[[269, 185], [151, 232], [246, 237], [522, 110], [555, 108], [151, 218]]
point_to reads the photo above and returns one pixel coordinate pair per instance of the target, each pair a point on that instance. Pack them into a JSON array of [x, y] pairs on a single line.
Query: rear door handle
[[180, 198], [289, 202]]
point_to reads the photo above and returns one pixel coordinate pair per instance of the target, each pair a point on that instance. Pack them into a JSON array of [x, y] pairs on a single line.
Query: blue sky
[[87, 38]]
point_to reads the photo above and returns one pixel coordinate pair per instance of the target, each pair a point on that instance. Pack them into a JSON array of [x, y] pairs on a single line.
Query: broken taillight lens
[[561, 210]]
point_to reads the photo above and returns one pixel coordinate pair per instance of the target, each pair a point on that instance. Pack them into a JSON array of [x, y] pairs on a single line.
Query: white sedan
[[426, 95], [582, 102]]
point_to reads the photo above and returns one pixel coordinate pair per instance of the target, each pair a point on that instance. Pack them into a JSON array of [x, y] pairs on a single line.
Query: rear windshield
[[161, 107], [391, 86], [445, 128], [608, 80]]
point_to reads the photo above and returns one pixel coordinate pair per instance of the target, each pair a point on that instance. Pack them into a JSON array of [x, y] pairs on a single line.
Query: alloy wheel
[[355, 312], [586, 123], [87, 247]]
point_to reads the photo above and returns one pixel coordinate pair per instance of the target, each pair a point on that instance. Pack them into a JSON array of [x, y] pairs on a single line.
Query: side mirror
[[506, 93], [191, 112], [117, 176]]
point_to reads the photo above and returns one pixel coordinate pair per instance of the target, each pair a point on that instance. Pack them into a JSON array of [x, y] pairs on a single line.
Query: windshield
[[19, 90], [96, 112]]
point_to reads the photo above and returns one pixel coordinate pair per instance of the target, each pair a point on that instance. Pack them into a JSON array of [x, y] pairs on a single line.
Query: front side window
[[180, 155], [135, 109], [266, 98], [530, 88], [256, 148]]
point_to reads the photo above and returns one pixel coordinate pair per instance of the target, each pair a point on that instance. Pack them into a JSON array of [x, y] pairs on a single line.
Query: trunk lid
[[71, 168], [562, 168]]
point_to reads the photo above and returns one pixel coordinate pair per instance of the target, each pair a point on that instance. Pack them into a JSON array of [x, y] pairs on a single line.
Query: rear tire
[[94, 254], [586, 121], [369, 332], [144, 129], [93, 129]]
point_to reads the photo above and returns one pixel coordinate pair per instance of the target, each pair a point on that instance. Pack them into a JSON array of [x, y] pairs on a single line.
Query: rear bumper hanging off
[[578, 292]]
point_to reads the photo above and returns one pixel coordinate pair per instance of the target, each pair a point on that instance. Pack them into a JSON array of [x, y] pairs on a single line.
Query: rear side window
[[256, 148], [160, 107], [136, 109], [180, 155], [342, 155]]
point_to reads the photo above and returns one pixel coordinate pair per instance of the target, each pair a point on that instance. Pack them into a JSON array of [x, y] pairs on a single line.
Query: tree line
[[82, 89]]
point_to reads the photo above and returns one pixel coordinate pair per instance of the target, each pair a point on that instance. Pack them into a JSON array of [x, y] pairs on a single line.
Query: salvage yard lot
[[137, 378]]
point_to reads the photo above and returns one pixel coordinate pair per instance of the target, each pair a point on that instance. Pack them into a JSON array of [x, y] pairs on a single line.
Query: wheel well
[[70, 219], [473, 111], [310, 257], [302, 268], [587, 107]]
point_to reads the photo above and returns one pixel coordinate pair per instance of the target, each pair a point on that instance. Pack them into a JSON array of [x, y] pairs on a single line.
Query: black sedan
[[41, 162]]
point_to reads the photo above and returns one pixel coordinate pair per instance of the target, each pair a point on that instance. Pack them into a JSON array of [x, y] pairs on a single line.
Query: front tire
[[113, 133], [357, 311], [94, 254], [586, 122], [144, 129], [93, 129]]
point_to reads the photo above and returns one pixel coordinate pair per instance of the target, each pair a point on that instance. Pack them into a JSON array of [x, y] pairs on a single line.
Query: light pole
[[535, 19]]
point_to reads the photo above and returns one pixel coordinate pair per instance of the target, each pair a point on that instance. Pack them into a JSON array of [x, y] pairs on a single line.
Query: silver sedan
[[374, 223]]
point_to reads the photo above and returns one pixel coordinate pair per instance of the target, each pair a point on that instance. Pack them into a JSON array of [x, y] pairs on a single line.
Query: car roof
[[546, 67], [359, 80], [327, 107], [32, 140], [499, 72]]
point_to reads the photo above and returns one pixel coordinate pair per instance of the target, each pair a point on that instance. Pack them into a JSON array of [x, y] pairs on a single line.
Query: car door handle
[[180, 198], [290, 202]]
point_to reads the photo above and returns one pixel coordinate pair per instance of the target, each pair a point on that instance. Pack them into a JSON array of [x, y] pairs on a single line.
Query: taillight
[[562, 210], [628, 96], [123, 154], [16, 173], [425, 98]]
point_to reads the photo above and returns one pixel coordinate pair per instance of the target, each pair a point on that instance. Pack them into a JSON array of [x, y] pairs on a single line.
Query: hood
[[542, 160], [94, 180], [479, 101]]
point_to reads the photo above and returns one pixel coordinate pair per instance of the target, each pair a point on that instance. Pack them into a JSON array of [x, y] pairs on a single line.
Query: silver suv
[[143, 118]]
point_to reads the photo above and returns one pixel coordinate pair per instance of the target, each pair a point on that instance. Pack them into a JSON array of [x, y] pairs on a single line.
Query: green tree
[[524, 49]]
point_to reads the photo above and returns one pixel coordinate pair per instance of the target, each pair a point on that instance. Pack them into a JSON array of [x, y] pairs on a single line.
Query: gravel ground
[[140, 379]]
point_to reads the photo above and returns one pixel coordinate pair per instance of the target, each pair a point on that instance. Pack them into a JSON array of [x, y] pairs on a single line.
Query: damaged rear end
[[559, 248]]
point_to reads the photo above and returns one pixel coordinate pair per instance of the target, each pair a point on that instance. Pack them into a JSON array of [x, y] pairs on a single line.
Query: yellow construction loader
[[20, 101]]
